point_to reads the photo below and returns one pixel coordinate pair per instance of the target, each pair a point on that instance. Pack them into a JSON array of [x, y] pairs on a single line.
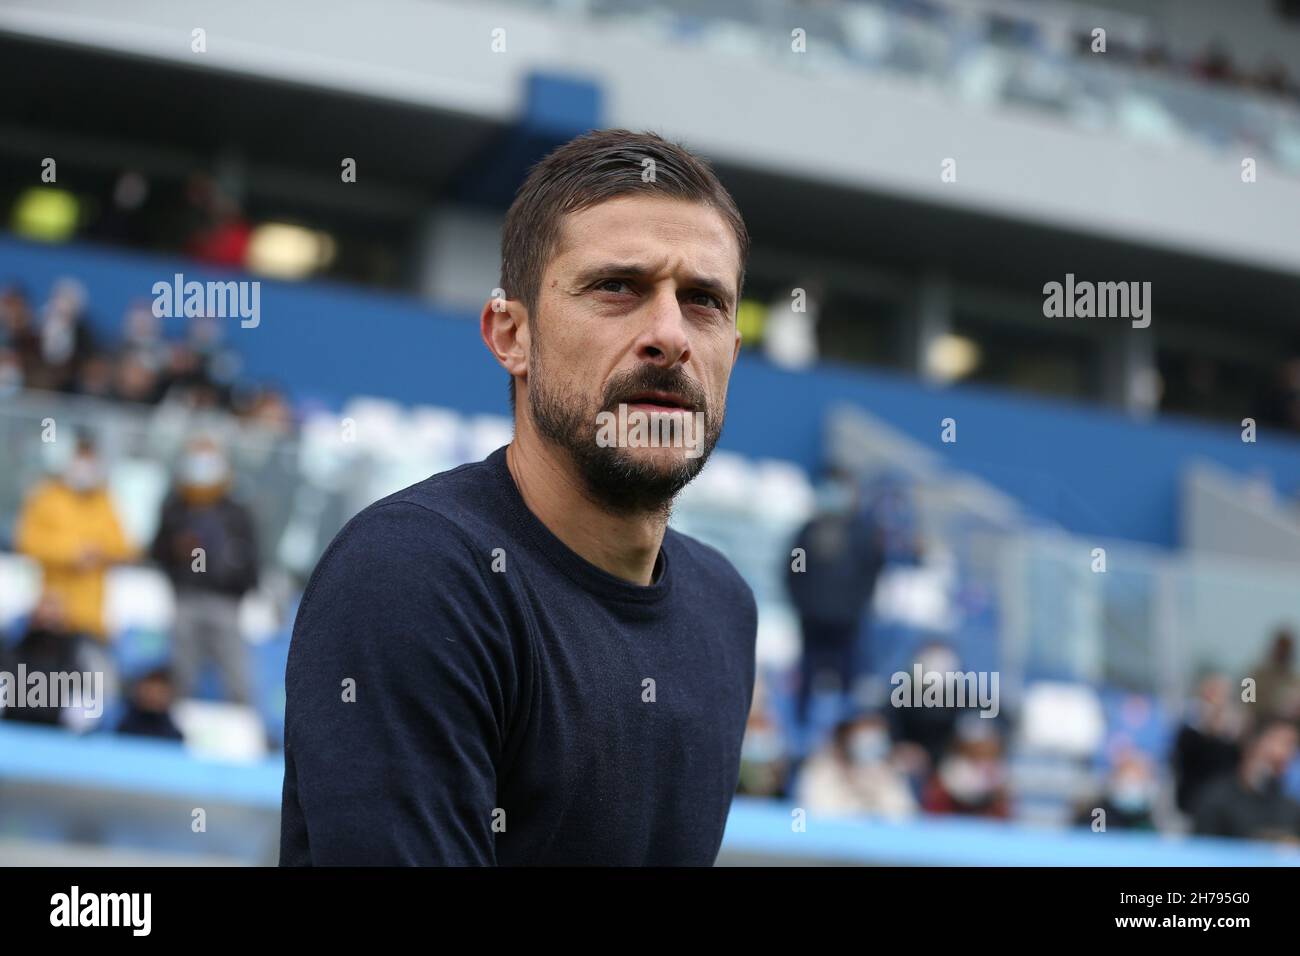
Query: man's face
[[636, 308], [1277, 748]]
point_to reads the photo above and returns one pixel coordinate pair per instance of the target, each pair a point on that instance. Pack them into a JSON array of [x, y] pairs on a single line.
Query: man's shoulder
[[439, 521], [708, 567], [1221, 791], [468, 496]]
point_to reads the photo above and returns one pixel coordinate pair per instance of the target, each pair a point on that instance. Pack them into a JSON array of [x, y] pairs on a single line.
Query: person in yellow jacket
[[69, 526]]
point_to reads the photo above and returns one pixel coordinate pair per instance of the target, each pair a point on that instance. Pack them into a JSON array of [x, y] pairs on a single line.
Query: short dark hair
[[589, 170], [1264, 725]]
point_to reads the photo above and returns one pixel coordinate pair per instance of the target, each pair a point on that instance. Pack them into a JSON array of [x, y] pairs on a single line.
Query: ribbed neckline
[[583, 572]]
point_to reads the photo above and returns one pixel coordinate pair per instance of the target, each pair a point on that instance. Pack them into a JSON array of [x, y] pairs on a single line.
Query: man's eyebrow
[[635, 270]]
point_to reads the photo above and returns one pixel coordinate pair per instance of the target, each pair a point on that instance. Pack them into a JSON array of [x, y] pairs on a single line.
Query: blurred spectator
[[148, 709], [47, 646], [136, 380], [971, 779], [930, 728], [95, 378], [70, 527], [220, 363], [65, 338], [1277, 686], [1207, 744], [220, 233], [853, 773], [269, 409], [831, 594], [764, 755], [18, 329], [121, 220], [1129, 797], [207, 545], [1251, 803], [189, 380], [142, 336]]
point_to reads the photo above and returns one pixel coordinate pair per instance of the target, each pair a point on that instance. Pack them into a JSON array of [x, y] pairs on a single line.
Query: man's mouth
[[656, 401]]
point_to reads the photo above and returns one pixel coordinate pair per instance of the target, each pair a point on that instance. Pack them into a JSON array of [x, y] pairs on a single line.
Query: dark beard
[[612, 476]]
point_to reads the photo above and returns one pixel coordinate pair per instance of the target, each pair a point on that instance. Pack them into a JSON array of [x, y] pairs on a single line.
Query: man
[[1251, 803], [1277, 686], [832, 590], [857, 771], [516, 661], [46, 647], [149, 707], [207, 545], [1128, 801], [70, 528], [1208, 743]]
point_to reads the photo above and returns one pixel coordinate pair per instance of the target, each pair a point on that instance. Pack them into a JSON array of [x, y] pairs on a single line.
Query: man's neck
[[626, 546]]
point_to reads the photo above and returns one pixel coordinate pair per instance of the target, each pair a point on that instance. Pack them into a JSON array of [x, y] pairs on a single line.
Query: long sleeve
[[44, 531], [797, 582], [244, 547], [111, 539], [161, 550], [407, 772]]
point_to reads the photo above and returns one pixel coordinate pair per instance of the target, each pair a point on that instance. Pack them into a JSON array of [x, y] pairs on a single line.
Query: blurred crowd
[[206, 540], [1213, 64], [206, 544], [1229, 766], [54, 347]]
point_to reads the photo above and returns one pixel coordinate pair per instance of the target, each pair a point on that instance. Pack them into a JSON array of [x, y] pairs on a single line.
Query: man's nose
[[665, 341]]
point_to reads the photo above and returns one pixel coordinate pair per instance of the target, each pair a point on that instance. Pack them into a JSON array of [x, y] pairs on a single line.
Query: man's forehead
[[637, 228]]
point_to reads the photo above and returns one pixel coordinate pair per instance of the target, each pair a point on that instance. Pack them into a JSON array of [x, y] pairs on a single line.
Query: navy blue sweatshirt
[[464, 689]]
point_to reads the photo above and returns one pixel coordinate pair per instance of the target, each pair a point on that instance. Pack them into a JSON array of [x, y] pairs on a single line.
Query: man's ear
[[504, 327]]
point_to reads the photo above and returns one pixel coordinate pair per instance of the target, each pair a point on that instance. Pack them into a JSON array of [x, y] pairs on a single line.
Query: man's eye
[[612, 285], [712, 301]]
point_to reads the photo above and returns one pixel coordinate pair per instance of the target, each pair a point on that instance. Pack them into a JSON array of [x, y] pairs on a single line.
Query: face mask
[[939, 659], [868, 746], [1131, 797], [835, 498], [83, 474], [761, 746], [969, 781], [203, 469]]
